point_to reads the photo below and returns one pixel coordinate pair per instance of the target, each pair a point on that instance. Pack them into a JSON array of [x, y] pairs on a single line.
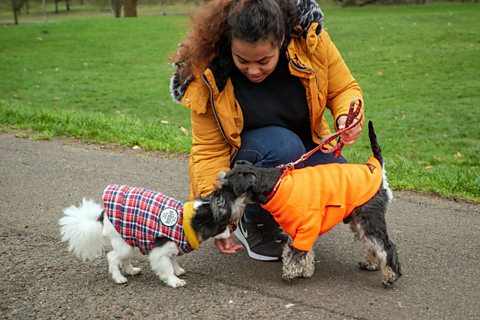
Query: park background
[[82, 73]]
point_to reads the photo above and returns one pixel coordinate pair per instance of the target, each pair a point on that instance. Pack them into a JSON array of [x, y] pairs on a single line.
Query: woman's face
[[256, 60]]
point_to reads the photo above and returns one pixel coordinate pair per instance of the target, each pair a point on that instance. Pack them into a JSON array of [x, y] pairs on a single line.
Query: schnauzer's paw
[[388, 283], [296, 270], [288, 277], [175, 282], [308, 272], [120, 280], [179, 272], [389, 279], [368, 266], [133, 271], [297, 264]]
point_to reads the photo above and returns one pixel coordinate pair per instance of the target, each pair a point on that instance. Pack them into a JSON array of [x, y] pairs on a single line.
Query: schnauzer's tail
[[377, 151], [82, 228]]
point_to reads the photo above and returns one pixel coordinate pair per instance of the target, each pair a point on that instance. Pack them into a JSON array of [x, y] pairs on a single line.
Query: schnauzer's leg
[[176, 267], [368, 223], [296, 263], [381, 250], [121, 252], [392, 270], [370, 260], [162, 265], [380, 254]]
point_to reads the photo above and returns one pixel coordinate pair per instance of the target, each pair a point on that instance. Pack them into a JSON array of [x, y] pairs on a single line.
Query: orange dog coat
[[312, 200]]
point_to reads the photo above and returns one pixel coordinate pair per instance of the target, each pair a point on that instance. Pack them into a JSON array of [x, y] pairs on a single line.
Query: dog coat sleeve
[[307, 234]]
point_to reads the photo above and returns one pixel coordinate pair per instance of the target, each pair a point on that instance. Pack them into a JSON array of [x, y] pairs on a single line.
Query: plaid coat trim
[[140, 216]]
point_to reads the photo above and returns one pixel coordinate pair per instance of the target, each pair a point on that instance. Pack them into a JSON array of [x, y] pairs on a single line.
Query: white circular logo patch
[[169, 217]]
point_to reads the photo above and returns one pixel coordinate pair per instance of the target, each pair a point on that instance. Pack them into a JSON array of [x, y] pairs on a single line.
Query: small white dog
[[158, 225]]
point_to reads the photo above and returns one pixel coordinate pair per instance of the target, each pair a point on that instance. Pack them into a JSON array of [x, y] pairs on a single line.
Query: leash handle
[[352, 114]]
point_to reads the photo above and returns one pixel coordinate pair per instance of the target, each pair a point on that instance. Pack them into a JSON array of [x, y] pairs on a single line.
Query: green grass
[[106, 80]]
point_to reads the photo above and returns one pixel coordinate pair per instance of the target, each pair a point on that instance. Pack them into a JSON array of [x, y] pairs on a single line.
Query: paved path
[[438, 242]]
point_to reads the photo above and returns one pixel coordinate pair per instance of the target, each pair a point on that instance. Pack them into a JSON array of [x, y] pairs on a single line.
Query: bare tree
[[117, 8], [16, 6]]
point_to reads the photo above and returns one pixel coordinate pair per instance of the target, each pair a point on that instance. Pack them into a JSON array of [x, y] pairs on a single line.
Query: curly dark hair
[[218, 21]]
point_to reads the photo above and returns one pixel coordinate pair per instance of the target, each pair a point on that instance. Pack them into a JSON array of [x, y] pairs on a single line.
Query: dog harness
[[312, 200], [141, 216]]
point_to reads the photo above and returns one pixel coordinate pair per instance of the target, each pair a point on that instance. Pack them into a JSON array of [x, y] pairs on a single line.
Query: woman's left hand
[[350, 136], [227, 246]]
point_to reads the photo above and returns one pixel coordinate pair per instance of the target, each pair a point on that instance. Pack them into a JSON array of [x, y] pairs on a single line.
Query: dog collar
[[285, 170], [190, 234]]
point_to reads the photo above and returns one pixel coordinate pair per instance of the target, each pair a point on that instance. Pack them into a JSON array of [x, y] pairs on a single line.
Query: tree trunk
[[130, 8], [15, 16], [16, 6], [117, 8]]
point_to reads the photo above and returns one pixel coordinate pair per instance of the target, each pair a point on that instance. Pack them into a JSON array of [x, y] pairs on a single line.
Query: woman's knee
[[270, 146]]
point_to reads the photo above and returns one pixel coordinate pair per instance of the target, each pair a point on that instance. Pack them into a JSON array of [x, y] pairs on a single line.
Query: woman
[[257, 76]]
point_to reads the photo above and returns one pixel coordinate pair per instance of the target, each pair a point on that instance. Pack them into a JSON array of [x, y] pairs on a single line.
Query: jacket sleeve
[[210, 152], [342, 87]]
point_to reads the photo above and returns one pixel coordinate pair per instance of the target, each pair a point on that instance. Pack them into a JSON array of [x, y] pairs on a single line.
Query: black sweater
[[279, 100]]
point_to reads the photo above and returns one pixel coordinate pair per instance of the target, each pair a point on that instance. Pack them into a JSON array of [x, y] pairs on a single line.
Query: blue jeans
[[269, 147]]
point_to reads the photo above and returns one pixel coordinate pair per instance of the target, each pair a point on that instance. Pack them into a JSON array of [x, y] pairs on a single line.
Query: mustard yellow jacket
[[217, 119]]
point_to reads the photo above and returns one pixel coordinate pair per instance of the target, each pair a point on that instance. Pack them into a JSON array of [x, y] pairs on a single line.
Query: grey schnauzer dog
[[309, 201]]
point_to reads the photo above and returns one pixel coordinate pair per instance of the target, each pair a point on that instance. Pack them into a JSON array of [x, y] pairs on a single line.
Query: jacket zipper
[[302, 69], [216, 117]]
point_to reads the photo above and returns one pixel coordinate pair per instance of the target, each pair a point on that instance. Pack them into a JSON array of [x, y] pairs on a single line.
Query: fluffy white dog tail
[[82, 227]]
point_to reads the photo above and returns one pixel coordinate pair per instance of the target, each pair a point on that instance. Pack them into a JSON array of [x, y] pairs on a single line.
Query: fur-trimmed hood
[[309, 12]]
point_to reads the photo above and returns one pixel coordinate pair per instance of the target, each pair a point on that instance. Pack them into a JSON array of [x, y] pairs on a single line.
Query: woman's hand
[[227, 245], [350, 136]]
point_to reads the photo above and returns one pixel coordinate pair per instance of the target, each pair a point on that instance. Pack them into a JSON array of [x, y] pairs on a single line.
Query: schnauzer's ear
[[243, 182], [242, 162]]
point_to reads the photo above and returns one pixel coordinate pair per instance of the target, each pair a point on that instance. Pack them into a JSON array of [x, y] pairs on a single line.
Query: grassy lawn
[[106, 80]]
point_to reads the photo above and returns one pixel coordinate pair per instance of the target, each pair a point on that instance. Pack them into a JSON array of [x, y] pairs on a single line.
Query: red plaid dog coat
[[141, 216]]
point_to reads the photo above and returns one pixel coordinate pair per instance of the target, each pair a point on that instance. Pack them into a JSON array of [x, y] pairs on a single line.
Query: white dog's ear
[[221, 212], [221, 178]]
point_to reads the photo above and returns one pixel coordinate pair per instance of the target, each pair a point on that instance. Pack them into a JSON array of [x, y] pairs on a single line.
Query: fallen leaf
[[185, 131]]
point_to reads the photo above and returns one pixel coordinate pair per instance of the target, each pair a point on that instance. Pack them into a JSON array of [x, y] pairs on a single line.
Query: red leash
[[353, 112]]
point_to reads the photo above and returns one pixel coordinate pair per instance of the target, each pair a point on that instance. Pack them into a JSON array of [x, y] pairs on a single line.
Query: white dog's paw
[[133, 271], [179, 271], [120, 280], [175, 282]]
